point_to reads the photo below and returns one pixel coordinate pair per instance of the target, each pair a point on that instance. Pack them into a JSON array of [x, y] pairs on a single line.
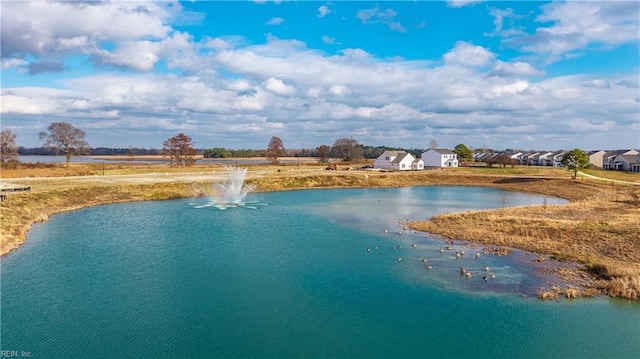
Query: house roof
[[544, 154], [441, 151], [401, 156], [390, 154], [620, 152], [626, 158]]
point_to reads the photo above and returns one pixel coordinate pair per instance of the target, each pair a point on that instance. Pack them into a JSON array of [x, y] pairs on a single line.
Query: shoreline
[[21, 211]]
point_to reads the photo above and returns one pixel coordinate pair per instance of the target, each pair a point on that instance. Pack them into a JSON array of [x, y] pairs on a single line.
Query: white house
[[418, 164], [541, 158], [596, 158], [528, 158], [609, 159], [624, 163], [396, 160], [555, 159], [439, 158]]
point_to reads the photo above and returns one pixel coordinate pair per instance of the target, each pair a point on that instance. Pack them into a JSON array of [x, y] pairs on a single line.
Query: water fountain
[[232, 192]]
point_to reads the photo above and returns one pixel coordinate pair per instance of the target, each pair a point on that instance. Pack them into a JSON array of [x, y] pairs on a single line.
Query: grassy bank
[[601, 231], [600, 228]]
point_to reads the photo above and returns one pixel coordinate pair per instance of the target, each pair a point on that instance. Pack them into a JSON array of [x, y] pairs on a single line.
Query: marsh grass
[[596, 230], [624, 287], [555, 292]]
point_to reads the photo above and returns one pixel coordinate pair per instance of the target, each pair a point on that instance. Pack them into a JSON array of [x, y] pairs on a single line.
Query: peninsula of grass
[[599, 228]]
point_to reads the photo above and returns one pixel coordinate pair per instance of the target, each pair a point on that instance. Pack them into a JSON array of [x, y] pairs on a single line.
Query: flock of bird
[[458, 254]]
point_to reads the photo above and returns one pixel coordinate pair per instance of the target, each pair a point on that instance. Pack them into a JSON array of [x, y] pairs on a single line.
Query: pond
[[313, 273]]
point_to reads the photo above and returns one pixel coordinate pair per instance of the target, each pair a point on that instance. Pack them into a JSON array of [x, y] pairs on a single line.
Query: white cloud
[[598, 84], [329, 40], [324, 11], [226, 92], [34, 27], [514, 69], [378, 16], [467, 54], [577, 25], [278, 87], [500, 16], [462, 3], [12, 62], [275, 21], [137, 55], [339, 90]]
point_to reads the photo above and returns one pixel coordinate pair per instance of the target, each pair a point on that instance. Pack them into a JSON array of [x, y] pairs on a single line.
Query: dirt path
[[607, 179]]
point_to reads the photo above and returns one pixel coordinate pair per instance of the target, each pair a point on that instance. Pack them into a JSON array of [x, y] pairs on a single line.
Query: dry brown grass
[[555, 292], [601, 230], [624, 287]]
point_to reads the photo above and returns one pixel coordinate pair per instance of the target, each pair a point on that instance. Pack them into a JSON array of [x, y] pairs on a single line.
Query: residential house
[[514, 155], [481, 156], [418, 164], [596, 158], [528, 158], [635, 167], [541, 158], [609, 159], [439, 158], [396, 160], [555, 159], [625, 162]]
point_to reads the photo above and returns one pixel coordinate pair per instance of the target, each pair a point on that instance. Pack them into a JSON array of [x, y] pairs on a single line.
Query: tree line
[[62, 137]]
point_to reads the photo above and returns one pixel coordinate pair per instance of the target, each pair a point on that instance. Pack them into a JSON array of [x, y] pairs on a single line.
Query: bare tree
[[180, 148], [433, 143], [8, 148], [348, 149], [65, 138], [132, 153], [323, 153], [275, 150], [504, 161]]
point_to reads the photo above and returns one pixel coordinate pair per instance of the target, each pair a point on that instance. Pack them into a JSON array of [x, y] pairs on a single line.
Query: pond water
[[291, 279]]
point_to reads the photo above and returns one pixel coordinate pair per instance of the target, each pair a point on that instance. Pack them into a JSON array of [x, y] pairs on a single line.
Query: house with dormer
[[609, 159], [396, 160], [435, 157]]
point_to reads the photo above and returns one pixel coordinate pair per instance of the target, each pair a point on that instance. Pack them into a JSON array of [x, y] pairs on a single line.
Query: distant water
[[291, 279], [120, 158]]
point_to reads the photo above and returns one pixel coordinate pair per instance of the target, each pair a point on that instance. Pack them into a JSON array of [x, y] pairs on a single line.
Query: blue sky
[[522, 75]]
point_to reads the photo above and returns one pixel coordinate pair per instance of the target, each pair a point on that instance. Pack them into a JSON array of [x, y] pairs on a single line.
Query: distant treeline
[[368, 152]]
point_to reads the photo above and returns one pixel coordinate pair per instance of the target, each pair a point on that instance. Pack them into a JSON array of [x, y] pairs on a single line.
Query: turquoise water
[[291, 279]]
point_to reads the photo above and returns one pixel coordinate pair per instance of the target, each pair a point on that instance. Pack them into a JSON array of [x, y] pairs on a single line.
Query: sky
[[533, 75]]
